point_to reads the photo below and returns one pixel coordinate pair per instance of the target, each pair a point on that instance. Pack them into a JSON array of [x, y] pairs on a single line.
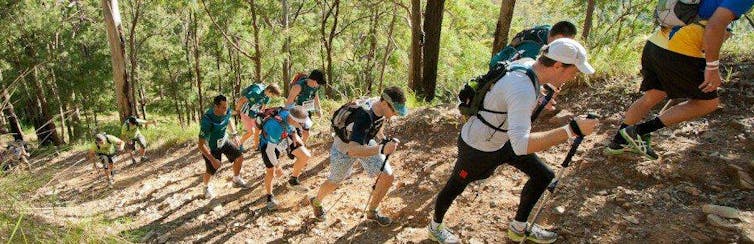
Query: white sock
[[434, 225], [518, 225], [237, 178]]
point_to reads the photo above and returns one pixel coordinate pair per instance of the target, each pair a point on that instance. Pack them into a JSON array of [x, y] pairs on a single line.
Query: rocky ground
[[600, 199]]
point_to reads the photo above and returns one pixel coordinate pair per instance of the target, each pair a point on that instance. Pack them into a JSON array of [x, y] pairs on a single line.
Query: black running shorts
[[676, 74], [231, 152]]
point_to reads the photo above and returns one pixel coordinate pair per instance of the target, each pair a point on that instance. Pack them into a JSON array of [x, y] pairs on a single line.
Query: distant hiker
[[104, 149], [501, 134], [279, 137], [214, 142], [253, 100], [131, 134], [15, 154], [529, 41], [358, 126], [304, 93], [681, 60]]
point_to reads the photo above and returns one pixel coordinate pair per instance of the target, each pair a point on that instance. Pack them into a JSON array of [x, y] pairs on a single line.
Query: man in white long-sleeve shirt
[[501, 133]]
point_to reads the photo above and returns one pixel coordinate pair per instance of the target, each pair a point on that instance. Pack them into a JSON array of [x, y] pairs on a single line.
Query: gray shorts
[[341, 165]]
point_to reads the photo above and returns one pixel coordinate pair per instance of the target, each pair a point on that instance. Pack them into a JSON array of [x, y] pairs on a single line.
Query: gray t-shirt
[[514, 94]]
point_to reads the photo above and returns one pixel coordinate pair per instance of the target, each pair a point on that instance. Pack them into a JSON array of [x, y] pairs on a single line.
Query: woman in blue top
[[278, 136], [253, 100], [304, 93]]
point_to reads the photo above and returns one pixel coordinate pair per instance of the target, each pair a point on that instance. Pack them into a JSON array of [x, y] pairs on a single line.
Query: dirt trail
[[601, 199]]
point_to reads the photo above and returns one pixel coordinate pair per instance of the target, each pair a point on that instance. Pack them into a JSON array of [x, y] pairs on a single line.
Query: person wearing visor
[[279, 136], [357, 138], [303, 93], [506, 137]]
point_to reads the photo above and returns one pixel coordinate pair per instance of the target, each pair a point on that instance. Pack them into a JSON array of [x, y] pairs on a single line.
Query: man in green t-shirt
[[131, 134], [104, 149], [214, 142], [254, 99]]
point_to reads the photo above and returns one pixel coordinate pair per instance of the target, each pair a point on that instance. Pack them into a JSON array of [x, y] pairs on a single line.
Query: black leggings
[[473, 165]]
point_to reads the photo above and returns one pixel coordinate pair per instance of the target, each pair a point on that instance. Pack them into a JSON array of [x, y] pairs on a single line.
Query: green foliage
[[63, 45]]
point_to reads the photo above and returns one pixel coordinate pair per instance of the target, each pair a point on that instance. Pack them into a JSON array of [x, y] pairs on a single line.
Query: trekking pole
[[548, 96], [374, 186], [669, 104], [554, 183]]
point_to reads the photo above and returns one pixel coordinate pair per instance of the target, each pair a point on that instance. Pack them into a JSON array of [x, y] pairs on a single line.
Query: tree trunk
[[135, 14], [218, 57], [197, 69], [187, 111], [61, 111], [372, 36], [13, 124], [47, 134], [286, 48], [503, 25], [588, 20], [143, 102], [75, 129], [3, 121], [388, 45], [178, 109], [417, 40], [432, 26], [78, 129], [327, 39], [123, 88], [235, 63], [257, 49]]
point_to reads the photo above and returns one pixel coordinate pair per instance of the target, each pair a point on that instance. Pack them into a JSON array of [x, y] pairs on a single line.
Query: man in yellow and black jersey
[[679, 62]]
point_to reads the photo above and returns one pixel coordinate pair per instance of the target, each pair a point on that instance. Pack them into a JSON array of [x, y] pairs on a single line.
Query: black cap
[[318, 76]]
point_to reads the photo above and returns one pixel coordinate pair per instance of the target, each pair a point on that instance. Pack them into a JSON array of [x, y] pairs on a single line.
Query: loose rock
[[631, 219], [722, 211], [719, 222]]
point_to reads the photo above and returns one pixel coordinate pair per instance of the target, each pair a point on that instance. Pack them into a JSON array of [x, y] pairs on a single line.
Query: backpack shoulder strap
[[529, 73]]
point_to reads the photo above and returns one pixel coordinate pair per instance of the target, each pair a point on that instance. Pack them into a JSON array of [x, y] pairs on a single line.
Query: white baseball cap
[[305, 122], [568, 51]]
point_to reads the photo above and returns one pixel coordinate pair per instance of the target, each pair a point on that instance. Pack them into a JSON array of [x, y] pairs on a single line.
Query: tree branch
[[225, 35]]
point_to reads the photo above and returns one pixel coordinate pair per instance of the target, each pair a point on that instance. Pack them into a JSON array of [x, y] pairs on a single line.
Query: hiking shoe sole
[[636, 148], [608, 151], [298, 188], [381, 223], [516, 238], [240, 185], [271, 206], [380, 219]]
